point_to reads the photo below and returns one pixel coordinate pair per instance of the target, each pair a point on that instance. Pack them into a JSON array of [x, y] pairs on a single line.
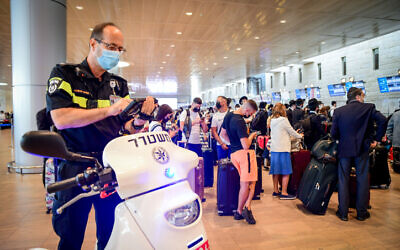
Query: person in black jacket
[[298, 113], [289, 112], [316, 131], [353, 126]]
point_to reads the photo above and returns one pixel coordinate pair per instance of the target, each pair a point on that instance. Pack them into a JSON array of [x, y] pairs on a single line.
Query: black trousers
[[70, 225], [362, 169]]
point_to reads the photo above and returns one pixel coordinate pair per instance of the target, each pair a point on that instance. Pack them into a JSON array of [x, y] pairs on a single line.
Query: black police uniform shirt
[[74, 86]]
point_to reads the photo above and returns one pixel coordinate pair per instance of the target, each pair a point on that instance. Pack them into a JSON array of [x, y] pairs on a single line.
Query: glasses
[[112, 46]]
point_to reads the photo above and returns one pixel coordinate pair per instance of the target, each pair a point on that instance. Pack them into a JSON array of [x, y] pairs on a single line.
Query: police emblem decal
[[160, 155], [53, 85]]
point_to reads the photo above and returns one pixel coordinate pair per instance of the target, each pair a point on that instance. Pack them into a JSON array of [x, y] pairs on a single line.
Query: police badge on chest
[[114, 98]]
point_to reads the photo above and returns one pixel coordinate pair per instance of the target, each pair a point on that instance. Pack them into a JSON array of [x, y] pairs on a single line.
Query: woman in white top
[[164, 114], [281, 130]]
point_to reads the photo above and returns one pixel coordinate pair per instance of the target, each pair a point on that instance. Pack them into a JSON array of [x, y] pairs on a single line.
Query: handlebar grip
[[62, 185]]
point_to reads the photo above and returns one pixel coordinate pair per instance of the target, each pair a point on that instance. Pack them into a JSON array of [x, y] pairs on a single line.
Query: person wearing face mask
[[84, 101], [164, 114], [223, 147], [234, 130], [191, 121]]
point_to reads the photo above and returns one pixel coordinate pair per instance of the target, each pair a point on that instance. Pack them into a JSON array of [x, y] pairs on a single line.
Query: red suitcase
[[196, 179], [300, 161]]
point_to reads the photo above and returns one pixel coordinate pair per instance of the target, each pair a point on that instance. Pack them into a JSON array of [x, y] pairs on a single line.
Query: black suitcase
[[258, 188], [208, 167], [228, 185], [317, 185], [378, 167]]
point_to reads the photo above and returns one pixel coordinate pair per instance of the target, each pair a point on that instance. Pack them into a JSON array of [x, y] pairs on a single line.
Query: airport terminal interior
[[305, 53]]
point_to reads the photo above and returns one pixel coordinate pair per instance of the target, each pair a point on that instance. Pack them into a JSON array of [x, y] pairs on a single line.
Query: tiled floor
[[280, 224]]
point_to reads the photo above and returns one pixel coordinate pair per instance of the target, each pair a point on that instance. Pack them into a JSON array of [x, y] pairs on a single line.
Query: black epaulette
[[80, 72]]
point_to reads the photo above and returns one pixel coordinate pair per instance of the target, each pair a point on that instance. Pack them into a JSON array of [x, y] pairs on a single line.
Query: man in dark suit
[[298, 112], [315, 131], [289, 111], [353, 126]]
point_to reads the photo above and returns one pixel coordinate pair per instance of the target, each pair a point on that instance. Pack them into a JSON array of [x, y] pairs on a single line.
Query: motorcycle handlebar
[[62, 185]]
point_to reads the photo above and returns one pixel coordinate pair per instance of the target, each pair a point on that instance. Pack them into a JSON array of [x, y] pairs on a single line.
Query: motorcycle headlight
[[184, 215]]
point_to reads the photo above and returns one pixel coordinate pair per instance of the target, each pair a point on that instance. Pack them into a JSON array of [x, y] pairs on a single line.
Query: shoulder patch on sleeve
[[54, 83]]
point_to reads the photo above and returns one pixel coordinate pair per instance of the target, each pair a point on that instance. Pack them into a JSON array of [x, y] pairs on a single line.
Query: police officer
[[84, 101]]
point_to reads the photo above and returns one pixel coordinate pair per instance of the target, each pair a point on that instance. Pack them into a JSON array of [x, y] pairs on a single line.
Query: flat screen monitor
[[336, 90], [389, 84], [358, 84], [301, 93], [276, 96], [313, 92]]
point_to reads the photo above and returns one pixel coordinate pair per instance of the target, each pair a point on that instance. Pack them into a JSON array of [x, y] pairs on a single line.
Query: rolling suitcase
[[353, 190], [300, 161], [379, 169], [208, 167], [258, 188], [228, 185], [317, 185], [196, 179]]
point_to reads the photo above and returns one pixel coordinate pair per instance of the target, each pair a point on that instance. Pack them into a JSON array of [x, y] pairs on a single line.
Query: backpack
[[259, 123]]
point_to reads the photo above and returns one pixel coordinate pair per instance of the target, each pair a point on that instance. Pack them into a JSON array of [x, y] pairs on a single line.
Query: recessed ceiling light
[[172, 45], [179, 33], [78, 7], [297, 52], [161, 67], [206, 68], [256, 37], [164, 62], [91, 29], [225, 57], [167, 55], [215, 63], [9, 65], [261, 65], [122, 64], [283, 21], [159, 72], [189, 13], [322, 42], [238, 49], [3, 84]]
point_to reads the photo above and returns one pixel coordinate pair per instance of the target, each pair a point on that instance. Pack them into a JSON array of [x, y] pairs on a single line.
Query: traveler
[[298, 112], [289, 113], [163, 116], [333, 103], [393, 136], [223, 146], [2, 116], [84, 101], [315, 132], [191, 121], [242, 100], [353, 126], [281, 131], [234, 129]]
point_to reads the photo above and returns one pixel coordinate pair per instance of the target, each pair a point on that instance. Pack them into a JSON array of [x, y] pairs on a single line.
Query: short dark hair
[[333, 103], [197, 100], [262, 105], [353, 92], [242, 98], [97, 32], [292, 102], [253, 104], [299, 102], [312, 104], [163, 111]]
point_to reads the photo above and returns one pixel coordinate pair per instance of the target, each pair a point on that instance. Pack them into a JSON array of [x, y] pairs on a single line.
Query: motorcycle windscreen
[[145, 162]]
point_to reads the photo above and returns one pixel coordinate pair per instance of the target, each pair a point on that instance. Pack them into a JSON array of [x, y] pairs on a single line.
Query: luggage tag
[[114, 99]]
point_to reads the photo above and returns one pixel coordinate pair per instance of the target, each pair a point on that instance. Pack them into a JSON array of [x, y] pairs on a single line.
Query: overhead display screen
[[358, 84], [336, 90], [301, 94], [313, 92], [276, 96], [389, 84]]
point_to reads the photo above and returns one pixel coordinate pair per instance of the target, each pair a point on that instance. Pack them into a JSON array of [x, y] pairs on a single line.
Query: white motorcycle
[[149, 172]]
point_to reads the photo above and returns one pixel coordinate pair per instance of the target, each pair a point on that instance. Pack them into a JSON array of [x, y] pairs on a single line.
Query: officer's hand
[[148, 106], [117, 107]]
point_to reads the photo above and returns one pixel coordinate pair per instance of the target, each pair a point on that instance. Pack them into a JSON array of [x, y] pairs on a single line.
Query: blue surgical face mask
[[108, 59]]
